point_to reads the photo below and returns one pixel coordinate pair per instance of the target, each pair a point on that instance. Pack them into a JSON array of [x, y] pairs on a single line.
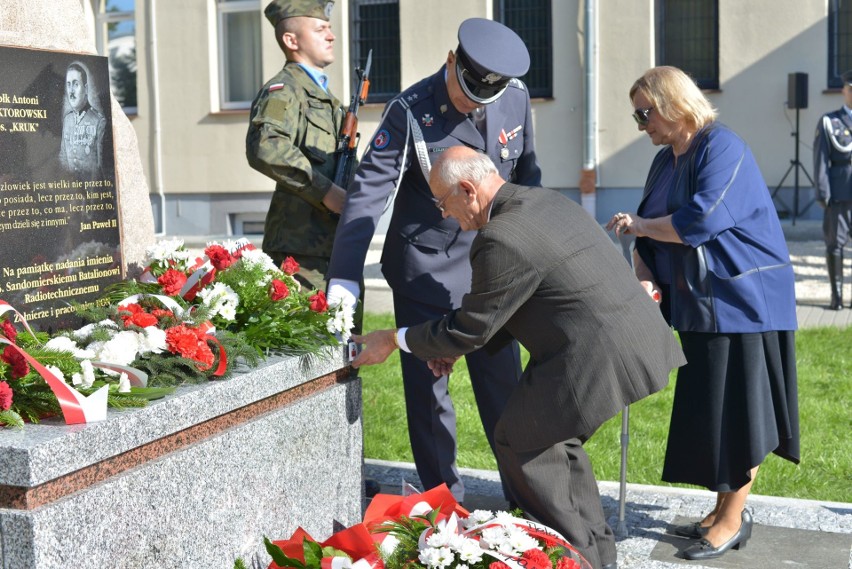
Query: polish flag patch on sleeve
[[275, 87]]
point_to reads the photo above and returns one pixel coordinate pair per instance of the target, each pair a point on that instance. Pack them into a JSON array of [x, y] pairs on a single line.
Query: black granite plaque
[[59, 224]]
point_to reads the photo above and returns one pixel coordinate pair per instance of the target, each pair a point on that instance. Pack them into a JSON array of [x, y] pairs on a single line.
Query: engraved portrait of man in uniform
[[84, 127]]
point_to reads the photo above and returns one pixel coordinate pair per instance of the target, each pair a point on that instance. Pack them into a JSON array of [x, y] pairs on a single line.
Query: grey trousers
[[556, 486]]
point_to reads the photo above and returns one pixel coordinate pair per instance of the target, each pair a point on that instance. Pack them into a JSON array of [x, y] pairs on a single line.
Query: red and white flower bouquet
[[429, 531]]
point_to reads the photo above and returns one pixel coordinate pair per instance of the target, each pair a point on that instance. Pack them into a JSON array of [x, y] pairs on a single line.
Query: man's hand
[[334, 199], [822, 203], [376, 347], [442, 366]]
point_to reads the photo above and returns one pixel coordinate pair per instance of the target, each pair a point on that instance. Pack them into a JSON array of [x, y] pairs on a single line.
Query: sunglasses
[[641, 115], [439, 203]]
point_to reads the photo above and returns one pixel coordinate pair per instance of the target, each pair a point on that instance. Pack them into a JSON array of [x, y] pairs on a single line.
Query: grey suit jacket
[[547, 274]]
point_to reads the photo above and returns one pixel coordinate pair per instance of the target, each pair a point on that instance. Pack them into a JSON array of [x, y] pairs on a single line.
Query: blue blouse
[[732, 274]]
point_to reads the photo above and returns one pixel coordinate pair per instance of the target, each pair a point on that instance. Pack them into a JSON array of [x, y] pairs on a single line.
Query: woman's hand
[[625, 224], [653, 290]]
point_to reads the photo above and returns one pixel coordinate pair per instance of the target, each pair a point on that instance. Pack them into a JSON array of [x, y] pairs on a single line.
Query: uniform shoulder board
[[275, 87], [517, 83]]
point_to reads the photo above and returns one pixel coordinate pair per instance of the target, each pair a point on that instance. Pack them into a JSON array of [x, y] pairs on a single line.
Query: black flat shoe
[[705, 550], [692, 531]]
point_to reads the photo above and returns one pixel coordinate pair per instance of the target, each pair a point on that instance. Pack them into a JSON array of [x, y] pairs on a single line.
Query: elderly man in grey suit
[[546, 274]]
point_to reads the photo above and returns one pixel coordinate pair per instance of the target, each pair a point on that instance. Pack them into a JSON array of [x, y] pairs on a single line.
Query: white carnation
[[120, 349], [257, 257], [123, 383], [154, 340], [436, 557], [87, 376], [221, 299]]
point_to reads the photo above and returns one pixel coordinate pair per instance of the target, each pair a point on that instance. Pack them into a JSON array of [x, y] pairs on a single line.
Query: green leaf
[[279, 557], [313, 554]]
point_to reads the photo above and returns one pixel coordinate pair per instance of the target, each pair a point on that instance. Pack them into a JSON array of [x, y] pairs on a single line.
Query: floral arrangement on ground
[[428, 531], [183, 321]]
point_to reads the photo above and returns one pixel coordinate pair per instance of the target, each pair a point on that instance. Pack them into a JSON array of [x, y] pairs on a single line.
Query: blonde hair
[[675, 96]]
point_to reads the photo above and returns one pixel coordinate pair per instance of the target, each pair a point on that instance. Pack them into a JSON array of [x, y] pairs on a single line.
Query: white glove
[[342, 292]]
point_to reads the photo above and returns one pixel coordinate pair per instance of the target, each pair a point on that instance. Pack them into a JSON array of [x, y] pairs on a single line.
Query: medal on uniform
[[503, 139], [427, 119]]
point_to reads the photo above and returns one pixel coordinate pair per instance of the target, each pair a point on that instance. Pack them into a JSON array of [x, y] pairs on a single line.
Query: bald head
[[464, 182], [459, 163]]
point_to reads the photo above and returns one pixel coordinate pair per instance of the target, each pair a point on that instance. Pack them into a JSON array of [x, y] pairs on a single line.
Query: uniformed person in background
[[292, 137], [84, 128], [474, 100], [833, 175]]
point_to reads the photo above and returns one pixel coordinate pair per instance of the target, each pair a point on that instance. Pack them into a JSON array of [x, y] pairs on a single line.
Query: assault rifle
[[347, 141]]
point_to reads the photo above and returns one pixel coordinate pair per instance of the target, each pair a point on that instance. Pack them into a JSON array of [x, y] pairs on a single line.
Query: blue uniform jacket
[[833, 157], [425, 257], [733, 272]]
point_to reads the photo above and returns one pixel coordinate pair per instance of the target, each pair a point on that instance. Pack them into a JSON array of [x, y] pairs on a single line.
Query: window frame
[[223, 8], [537, 63], [359, 52], [705, 83], [834, 55], [102, 20]]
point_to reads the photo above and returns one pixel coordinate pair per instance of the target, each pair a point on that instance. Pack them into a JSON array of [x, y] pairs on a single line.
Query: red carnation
[[162, 313], [278, 290], [132, 308], [219, 257], [567, 563], [9, 330], [16, 360], [290, 266], [498, 565], [142, 319], [182, 340], [203, 354], [318, 302], [172, 281], [5, 396], [536, 559]]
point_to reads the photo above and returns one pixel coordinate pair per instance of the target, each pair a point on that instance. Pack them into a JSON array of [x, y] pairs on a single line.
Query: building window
[[839, 41], [116, 38], [530, 19], [688, 38], [375, 25], [239, 52]]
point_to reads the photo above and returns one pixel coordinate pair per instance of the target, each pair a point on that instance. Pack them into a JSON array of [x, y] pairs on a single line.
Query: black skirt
[[735, 402]]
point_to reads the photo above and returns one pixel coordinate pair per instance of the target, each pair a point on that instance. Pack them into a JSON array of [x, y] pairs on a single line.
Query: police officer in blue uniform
[[833, 175], [474, 100]]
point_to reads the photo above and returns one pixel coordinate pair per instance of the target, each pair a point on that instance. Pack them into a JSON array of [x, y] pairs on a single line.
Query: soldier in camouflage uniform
[[833, 175], [292, 137], [84, 129]]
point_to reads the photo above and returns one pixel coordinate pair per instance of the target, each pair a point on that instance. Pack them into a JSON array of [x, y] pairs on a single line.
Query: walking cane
[[621, 529]]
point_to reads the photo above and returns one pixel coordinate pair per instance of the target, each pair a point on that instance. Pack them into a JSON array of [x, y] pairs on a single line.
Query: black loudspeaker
[[797, 91]]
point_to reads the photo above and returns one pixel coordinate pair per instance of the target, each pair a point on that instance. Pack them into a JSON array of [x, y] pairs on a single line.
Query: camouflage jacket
[[291, 138]]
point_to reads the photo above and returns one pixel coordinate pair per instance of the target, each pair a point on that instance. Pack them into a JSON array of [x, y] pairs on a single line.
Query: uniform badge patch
[[382, 139], [427, 120]]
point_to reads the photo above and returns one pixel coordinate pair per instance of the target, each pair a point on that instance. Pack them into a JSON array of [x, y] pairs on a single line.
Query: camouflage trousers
[[312, 271]]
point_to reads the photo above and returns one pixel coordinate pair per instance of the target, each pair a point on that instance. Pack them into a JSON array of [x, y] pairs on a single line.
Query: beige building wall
[[206, 181]]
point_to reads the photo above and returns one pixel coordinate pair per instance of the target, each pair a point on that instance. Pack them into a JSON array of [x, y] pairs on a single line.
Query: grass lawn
[[825, 395]]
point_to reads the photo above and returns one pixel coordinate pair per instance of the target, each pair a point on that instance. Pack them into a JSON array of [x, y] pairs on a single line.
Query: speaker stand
[[794, 167]]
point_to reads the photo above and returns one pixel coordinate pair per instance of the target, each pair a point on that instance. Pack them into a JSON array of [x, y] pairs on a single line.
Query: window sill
[[229, 112]]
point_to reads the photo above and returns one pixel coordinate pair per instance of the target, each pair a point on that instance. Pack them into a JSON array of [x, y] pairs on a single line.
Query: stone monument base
[[193, 480]]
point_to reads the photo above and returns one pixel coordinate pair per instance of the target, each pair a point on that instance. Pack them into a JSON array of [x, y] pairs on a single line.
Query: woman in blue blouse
[[710, 248]]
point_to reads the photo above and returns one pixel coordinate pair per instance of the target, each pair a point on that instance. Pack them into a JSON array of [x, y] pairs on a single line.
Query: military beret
[[847, 78], [488, 57], [278, 10]]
